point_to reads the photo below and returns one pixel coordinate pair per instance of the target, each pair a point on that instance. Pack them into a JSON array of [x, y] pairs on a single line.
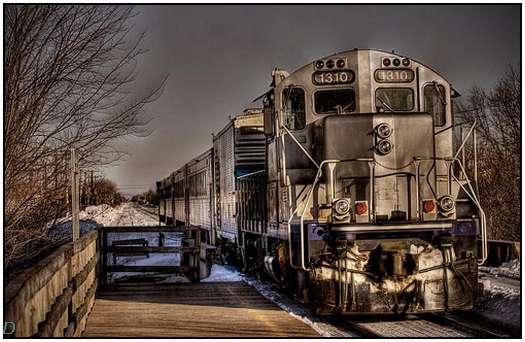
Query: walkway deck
[[189, 310]]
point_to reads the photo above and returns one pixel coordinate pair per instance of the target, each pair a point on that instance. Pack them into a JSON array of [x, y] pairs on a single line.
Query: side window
[[435, 103], [294, 109]]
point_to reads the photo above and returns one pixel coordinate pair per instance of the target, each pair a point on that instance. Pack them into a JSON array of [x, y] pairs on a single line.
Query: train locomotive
[[348, 188]]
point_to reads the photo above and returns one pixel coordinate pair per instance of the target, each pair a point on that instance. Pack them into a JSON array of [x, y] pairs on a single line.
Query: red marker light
[[361, 208], [428, 206], [386, 62]]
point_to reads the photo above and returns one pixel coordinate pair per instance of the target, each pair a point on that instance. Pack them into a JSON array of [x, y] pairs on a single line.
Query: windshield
[[337, 101], [394, 99]]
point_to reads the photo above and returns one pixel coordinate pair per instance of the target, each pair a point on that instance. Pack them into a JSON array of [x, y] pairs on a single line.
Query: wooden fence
[[54, 297], [190, 251]]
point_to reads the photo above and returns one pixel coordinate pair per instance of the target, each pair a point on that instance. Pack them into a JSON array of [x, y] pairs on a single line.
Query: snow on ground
[[501, 298], [103, 215], [508, 269], [154, 259], [223, 273]]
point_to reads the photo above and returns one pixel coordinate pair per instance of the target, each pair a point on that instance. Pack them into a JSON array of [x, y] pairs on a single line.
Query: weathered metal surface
[[189, 310], [199, 181], [251, 198], [223, 144]]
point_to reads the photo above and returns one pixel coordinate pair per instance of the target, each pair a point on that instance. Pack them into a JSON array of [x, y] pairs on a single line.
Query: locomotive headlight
[[342, 206], [384, 147], [383, 130], [330, 64], [446, 203]]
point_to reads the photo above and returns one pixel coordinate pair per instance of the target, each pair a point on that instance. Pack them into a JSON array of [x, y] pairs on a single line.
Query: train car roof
[[246, 114], [455, 93], [392, 52]]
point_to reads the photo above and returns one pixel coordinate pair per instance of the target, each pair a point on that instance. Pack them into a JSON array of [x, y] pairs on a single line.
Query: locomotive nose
[[391, 141]]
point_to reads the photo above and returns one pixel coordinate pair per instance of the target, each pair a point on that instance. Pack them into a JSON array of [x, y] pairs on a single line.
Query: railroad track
[[151, 213], [472, 324], [409, 326], [422, 325]]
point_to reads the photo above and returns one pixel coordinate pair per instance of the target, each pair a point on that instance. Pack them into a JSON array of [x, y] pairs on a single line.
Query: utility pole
[[65, 178], [81, 191], [75, 175], [91, 195]]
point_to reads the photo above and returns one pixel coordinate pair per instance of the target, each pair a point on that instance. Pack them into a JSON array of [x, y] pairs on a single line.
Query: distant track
[[152, 212]]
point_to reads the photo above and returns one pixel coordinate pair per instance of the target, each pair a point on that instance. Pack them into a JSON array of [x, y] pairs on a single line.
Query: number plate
[[333, 77], [394, 75]]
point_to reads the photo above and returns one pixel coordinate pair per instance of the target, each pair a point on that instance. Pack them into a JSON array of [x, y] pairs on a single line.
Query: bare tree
[[68, 78], [106, 192], [498, 115], [150, 197]]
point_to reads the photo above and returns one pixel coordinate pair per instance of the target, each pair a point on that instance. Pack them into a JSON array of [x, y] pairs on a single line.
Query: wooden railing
[[190, 261], [54, 297]]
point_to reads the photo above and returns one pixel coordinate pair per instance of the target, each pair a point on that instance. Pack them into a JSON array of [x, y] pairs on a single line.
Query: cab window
[[394, 99], [337, 101], [294, 109], [435, 103]]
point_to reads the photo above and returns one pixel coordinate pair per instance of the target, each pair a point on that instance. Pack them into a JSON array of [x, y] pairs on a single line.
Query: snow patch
[[220, 273], [509, 269], [93, 217], [501, 298]]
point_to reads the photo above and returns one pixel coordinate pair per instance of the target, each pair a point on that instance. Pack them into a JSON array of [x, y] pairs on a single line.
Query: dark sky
[[220, 57]]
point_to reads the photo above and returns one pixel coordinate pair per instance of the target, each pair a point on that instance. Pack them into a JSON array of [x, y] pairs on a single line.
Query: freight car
[[347, 188]]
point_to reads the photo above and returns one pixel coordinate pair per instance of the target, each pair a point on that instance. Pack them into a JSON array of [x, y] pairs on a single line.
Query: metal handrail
[[417, 162], [472, 195], [483, 219], [310, 193]]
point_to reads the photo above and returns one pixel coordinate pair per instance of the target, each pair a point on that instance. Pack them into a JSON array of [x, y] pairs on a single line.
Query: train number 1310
[[394, 75], [333, 77]]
